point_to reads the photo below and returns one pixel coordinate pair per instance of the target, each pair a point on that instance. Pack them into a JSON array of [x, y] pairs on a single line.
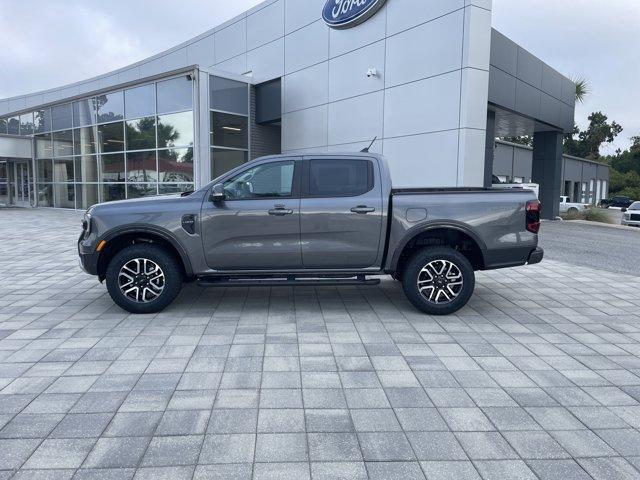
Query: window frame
[[295, 187], [306, 186]]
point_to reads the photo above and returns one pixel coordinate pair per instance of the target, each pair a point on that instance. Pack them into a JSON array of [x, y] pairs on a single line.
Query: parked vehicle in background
[[616, 202], [631, 215], [309, 220], [566, 206]]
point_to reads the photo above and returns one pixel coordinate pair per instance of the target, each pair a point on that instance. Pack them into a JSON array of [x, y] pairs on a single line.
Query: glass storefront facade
[[133, 142], [122, 144]]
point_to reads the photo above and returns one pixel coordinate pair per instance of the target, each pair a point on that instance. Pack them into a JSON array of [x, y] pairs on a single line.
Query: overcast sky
[[50, 43]]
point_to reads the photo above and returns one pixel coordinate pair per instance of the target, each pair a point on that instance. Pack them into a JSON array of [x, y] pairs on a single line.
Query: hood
[[133, 202]]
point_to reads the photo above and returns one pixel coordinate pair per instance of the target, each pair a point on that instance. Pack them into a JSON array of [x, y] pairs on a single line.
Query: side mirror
[[217, 193], [623, 210]]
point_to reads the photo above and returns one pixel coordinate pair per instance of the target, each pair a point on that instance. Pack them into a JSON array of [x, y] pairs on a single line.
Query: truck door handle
[[363, 209], [280, 211]]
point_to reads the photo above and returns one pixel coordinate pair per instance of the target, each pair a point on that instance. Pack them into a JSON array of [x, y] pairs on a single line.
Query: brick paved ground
[[537, 378]]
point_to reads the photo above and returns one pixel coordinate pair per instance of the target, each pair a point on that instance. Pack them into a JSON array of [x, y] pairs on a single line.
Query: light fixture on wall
[[372, 73]]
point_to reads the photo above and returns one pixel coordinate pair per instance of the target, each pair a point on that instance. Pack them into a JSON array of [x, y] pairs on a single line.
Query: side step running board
[[285, 282]]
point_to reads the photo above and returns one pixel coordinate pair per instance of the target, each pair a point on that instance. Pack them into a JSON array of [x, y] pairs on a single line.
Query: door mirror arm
[[217, 193]]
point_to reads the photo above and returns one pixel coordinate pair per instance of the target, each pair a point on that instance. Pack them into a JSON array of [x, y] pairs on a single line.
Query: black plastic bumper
[[536, 256], [88, 258]]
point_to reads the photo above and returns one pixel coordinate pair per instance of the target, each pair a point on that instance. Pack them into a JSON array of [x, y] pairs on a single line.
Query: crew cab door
[[341, 212], [257, 225]]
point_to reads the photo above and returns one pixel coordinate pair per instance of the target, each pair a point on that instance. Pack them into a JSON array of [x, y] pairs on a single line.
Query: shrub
[[599, 215]]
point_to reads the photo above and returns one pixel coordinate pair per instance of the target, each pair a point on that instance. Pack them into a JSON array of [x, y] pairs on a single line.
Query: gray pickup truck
[[331, 219]]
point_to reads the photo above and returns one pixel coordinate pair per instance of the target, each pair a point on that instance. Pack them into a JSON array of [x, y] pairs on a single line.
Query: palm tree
[[582, 88]]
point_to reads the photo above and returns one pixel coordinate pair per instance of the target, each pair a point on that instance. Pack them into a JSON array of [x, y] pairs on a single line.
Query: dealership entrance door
[[20, 183]]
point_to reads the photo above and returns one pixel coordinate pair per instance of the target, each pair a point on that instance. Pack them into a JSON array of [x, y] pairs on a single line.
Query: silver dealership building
[[429, 79]]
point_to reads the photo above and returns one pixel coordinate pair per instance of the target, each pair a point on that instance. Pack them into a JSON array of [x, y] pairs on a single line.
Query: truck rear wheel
[[143, 278], [438, 281]]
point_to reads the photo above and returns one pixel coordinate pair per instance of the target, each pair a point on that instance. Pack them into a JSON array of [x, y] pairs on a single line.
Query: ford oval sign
[[349, 13]]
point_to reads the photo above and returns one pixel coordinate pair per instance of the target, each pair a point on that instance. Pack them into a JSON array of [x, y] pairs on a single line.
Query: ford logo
[[349, 13]]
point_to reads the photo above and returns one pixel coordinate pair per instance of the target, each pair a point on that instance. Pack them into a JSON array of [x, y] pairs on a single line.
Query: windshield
[[635, 206]]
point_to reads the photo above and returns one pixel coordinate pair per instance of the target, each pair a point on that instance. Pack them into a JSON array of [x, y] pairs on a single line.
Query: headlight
[[86, 224]]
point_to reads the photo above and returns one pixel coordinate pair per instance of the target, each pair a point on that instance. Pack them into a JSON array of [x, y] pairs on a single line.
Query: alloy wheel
[[440, 282], [141, 280]]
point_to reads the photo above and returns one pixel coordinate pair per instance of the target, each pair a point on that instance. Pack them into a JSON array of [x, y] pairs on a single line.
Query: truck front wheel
[[143, 278], [438, 281]]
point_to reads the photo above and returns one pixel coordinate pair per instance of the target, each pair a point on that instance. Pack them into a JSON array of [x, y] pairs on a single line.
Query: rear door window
[[340, 178]]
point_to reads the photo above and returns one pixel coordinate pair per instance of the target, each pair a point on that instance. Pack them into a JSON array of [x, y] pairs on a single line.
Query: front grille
[[635, 217]]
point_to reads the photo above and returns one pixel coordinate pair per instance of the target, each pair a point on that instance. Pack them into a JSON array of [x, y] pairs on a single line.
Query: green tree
[[582, 89], [587, 143]]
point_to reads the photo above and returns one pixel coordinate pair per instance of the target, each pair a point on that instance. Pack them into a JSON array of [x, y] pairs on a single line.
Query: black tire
[[573, 210], [423, 258], [173, 278]]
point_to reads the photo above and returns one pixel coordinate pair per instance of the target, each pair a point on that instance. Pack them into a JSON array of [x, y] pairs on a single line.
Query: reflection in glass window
[[228, 95], [42, 120], [168, 188], [13, 126], [271, 180], [84, 140], [45, 170], [26, 124], [142, 167], [139, 190], [110, 107], [175, 95], [63, 171], [3, 125], [87, 169], [224, 160], [45, 195], [44, 145], [61, 117], [175, 130], [84, 113], [141, 134], [63, 143], [111, 137], [176, 165], [64, 196], [86, 195], [140, 101], [112, 192], [229, 130], [112, 168]]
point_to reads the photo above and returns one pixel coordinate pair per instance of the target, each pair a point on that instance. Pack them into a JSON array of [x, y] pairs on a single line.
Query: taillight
[[534, 208]]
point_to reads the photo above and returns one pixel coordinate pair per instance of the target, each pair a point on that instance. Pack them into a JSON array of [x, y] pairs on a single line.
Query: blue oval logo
[[349, 13]]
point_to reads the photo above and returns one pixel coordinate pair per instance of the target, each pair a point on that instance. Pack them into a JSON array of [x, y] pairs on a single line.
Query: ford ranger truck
[[331, 219]]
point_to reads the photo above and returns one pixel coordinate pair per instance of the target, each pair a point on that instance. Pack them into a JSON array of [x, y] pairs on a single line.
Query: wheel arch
[[118, 239], [454, 235]]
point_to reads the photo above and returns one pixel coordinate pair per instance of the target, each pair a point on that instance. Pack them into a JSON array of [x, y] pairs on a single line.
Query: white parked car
[[566, 206], [631, 215]]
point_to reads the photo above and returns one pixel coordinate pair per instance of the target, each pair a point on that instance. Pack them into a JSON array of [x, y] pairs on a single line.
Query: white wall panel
[[236, 65], [305, 129], [348, 73], [266, 25], [474, 98], [347, 40], [426, 106], [404, 14], [471, 158], [202, 52], [300, 13], [357, 119], [477, 38], [175, 60], [231, 41], [377, 147], [306, 88], [267, 61], [423, 160], [425, 51], [306, 47]]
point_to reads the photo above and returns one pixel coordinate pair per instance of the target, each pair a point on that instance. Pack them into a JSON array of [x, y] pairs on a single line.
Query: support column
[[547, 171], [489, 148]]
